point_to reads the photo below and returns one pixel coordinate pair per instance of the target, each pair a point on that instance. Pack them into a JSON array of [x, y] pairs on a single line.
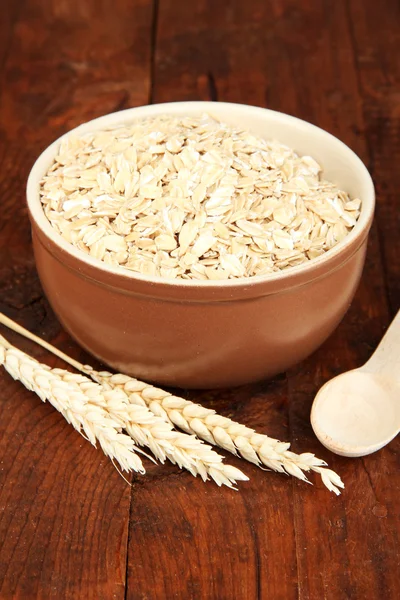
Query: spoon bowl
[[358, 412]]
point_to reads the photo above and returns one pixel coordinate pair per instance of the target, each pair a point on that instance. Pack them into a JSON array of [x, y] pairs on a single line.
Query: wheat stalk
[[215, 429], [145, 428]]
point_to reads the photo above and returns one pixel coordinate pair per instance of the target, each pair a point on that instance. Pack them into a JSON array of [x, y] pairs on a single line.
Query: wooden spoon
[[358, 412]]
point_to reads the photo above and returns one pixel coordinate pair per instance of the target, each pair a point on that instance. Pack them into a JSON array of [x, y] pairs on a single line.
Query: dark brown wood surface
[[69, 525]]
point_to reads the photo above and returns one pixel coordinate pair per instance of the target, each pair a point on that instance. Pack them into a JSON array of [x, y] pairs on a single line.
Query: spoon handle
[[386, 358]]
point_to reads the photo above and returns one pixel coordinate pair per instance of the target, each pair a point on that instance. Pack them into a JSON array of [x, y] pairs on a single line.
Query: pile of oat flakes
[[193, 198]]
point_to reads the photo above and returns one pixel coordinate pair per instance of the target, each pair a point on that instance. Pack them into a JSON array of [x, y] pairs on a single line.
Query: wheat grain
[[192, 418], [193, 199]]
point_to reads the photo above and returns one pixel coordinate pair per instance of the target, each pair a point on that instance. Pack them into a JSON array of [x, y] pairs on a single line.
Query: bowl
[[206, 334]]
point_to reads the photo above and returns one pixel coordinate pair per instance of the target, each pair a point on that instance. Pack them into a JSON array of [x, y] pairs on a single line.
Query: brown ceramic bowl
[[206, 334]]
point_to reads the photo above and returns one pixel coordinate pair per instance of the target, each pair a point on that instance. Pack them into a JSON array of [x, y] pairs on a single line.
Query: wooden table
[[70, 527]]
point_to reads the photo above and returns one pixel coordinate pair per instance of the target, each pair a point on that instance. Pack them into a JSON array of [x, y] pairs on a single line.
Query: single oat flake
[[193, 198]]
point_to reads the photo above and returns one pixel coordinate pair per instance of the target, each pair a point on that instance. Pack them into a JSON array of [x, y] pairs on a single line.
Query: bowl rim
[[313, 267]]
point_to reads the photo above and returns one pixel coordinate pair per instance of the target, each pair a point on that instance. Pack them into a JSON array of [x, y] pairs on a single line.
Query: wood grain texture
[[69, 526], [217, 543], [64, 510], [375, 35]]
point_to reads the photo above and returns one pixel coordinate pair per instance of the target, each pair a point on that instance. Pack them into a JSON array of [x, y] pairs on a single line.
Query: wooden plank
[[72, 61], [239, 545], [358, 557], [9, 14], [376, 44], [194, 540], [63, 507], [297, 58]]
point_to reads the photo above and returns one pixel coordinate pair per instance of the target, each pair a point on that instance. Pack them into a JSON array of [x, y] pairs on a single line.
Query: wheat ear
[[145, 428], [256, 448], [215, 429], [66, 393], [153, 432]]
